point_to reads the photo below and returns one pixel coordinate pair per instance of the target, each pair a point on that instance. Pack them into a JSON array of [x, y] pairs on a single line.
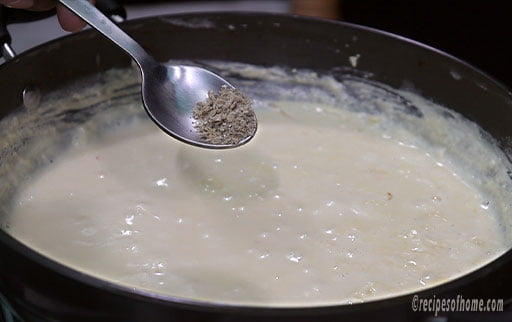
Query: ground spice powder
[[225, 118]]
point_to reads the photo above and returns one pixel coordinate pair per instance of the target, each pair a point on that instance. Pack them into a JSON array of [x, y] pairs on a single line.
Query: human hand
[[68, 20]]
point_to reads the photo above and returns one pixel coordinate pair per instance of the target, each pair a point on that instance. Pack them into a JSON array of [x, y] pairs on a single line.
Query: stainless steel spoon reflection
[[169, 92]]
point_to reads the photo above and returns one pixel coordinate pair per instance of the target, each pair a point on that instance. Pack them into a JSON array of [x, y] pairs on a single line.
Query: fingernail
[[18, 4]]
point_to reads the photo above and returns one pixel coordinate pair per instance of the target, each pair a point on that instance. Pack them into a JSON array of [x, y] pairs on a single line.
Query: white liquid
[[312, 212]]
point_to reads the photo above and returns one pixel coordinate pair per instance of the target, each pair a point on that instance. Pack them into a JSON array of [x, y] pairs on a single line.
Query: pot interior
[[381, 75]]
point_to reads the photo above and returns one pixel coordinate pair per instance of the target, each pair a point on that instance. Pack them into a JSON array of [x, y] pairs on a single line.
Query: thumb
[[68, 20]]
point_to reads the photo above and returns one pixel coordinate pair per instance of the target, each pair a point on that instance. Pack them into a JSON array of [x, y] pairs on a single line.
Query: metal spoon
[[169, 92]]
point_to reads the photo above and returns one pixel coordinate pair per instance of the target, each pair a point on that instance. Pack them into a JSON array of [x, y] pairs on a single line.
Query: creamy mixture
[[346, 194], [313, 211]]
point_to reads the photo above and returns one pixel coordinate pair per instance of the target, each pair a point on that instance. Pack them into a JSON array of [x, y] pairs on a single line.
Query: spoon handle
[[100, 22]]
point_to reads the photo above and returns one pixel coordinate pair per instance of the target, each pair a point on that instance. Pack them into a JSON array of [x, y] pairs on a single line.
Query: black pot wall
[[41, 289]]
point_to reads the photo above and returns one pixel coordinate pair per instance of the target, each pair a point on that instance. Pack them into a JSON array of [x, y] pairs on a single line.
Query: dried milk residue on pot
[[349, 192]]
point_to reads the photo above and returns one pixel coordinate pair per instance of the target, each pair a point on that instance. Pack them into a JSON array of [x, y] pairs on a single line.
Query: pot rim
[[208, 306]]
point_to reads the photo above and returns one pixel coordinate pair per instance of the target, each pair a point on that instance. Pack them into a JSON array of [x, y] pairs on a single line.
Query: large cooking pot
[[40, 289]]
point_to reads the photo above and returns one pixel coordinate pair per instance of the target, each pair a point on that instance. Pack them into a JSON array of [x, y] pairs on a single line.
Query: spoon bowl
[[184, 86], [169, 92]]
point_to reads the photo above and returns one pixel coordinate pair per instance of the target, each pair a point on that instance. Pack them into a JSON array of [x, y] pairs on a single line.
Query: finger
[[20, 4], [39, 5], [42, 5], [68, 20]]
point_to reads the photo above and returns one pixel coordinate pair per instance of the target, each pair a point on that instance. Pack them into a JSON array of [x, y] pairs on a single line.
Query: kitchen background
[[477, 32]]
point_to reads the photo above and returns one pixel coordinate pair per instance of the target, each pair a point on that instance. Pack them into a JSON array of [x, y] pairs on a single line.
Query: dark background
[[478, 32]]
